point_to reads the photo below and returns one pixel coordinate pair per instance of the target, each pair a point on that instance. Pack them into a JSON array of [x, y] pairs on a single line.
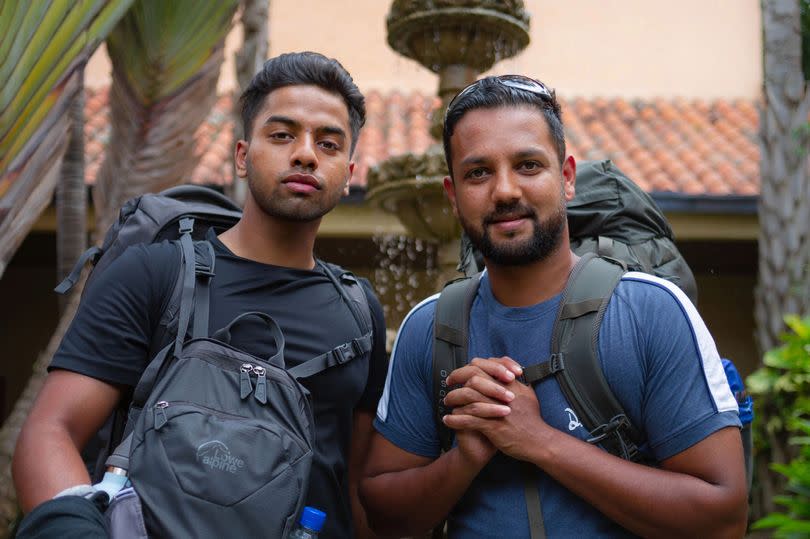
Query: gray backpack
[[215, 442]]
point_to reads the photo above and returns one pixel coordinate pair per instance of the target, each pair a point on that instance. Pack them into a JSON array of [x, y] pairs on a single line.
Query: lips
[[302, 183]]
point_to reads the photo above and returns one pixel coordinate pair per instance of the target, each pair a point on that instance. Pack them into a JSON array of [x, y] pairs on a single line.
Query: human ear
[[348, 180], [240, 158], [569, 174], [450, 191]]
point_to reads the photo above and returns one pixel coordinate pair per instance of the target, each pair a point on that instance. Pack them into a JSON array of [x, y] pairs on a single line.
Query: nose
[[304, 155], [505, 188]]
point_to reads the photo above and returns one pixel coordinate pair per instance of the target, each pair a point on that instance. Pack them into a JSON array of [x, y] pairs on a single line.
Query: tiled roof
[[692, 147]]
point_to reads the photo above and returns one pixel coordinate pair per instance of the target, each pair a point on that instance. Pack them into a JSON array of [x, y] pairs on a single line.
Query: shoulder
[[642, 289], [157, 257], [139, 266], [417, 326], [656, 304]]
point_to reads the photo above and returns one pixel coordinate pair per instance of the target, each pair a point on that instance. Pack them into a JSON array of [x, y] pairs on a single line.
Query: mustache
[[509, 211]]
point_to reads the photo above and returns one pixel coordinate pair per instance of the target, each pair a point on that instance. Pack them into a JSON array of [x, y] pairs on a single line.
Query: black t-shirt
[[111, 336]]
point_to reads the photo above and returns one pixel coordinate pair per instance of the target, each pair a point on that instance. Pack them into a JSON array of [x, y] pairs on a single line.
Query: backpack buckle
[[556, 363], [606, 429], [343, 353], [186, 225], [206, 270]]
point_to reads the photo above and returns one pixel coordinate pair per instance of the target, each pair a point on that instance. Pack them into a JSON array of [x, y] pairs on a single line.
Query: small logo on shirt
[[573, 420]]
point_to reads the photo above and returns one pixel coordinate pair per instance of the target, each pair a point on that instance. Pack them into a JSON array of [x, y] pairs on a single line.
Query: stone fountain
[[458, 40]]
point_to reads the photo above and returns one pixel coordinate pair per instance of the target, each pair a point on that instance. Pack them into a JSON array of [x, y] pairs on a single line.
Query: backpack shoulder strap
[[354, 296], [574, 348], [450, 337]]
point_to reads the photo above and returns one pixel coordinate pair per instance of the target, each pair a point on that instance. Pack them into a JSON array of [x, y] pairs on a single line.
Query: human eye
[[530, 166], [476, 174], [329, 145], [280, 135]]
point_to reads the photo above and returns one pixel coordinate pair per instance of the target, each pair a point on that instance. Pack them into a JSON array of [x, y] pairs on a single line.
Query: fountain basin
[[411, 186]]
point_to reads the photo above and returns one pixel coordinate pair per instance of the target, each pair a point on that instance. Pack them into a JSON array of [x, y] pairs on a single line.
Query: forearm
[[396, 501], [650, 502], [46, 462]]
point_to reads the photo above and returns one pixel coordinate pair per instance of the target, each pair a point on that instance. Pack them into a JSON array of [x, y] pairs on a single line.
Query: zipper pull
[[160, 414], [261, 384], [245, 387]]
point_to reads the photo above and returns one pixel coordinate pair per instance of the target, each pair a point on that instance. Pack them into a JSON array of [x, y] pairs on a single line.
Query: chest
[[313, 317], [526, 340]]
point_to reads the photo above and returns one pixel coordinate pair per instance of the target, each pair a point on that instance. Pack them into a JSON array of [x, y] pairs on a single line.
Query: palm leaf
[[166, 58], [42, 44]]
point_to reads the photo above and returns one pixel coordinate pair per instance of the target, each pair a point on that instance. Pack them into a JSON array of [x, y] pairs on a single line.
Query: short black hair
[[304, 68], [490, 93]]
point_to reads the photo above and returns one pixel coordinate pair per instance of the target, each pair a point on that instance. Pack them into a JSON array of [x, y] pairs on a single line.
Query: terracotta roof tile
[[695, 147]]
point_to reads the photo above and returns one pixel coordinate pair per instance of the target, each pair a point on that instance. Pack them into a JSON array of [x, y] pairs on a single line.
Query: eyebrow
[[525, 153], [286, 120], [290, 122]]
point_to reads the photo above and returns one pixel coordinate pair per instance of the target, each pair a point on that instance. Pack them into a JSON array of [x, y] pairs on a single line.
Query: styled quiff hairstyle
[[303, 68]]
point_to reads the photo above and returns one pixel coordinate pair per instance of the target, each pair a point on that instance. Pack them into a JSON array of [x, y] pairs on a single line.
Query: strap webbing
[[575, 335], [187, 291], [120, 457], [451, 322], [336, 356], [204, 260], [531, 491], [580, 308], [540, 371], [70, 281]]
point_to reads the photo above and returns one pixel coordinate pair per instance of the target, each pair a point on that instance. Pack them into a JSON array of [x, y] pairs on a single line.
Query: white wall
[[629, 48]]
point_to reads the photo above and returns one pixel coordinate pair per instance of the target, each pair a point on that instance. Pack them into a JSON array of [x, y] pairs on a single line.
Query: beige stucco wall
[[630, 48]]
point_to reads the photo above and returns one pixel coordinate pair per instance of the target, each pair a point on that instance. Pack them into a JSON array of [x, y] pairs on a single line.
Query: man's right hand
[[482, 389]]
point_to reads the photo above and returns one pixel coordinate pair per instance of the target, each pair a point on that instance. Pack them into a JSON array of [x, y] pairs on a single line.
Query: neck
[[522, 286], [269, 240]]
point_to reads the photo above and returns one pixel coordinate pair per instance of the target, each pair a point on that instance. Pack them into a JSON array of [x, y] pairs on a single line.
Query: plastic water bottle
[[309, 525]]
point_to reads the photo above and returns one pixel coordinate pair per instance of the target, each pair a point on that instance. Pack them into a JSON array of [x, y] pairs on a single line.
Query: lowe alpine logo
[[217, 456], [573, 420]]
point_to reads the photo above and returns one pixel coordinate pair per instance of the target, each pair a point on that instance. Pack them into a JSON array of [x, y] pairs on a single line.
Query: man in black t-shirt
[[301, 116]]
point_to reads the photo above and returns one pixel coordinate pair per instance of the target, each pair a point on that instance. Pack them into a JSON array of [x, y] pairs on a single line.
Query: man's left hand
[[516, 433]]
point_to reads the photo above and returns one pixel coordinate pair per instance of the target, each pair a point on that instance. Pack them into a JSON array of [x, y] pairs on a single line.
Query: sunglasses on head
[[518, 82]]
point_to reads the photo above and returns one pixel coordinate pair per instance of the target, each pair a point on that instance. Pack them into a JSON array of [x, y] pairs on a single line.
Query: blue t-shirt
[[658, 358]]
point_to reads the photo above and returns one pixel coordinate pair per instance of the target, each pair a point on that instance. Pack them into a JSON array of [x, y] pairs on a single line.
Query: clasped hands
[[492, 410]]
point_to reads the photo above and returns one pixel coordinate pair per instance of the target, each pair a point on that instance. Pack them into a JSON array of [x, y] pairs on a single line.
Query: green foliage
[[159, 46], [782, 389], [41, 44]]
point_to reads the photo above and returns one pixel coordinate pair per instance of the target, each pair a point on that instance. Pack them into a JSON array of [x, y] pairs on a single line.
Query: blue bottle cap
[[312, 518]]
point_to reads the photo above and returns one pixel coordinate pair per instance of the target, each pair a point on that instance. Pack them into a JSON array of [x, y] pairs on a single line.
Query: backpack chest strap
[[338, 355]]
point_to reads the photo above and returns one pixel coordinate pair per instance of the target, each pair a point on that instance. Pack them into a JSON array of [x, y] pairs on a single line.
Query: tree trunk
[[784, 212], [71, 196], [249, 60]]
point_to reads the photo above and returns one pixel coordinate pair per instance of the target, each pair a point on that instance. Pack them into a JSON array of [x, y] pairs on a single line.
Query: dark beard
[[545, 239]]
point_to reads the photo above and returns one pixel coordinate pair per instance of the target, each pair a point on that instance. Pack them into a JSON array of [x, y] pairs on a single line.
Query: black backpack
[[210, 428]]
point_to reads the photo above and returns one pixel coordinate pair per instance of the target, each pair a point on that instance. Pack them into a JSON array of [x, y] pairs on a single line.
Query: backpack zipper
[[246, 388], [245, 385]]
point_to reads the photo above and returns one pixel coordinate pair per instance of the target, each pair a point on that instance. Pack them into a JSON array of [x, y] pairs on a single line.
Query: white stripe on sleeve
[[712, 366]]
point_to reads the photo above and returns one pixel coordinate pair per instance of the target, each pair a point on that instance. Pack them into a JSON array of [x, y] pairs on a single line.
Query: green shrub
[[782, 399]]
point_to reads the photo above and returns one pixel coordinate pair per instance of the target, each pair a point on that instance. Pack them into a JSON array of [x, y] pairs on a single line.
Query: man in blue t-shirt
[[508, 185]]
